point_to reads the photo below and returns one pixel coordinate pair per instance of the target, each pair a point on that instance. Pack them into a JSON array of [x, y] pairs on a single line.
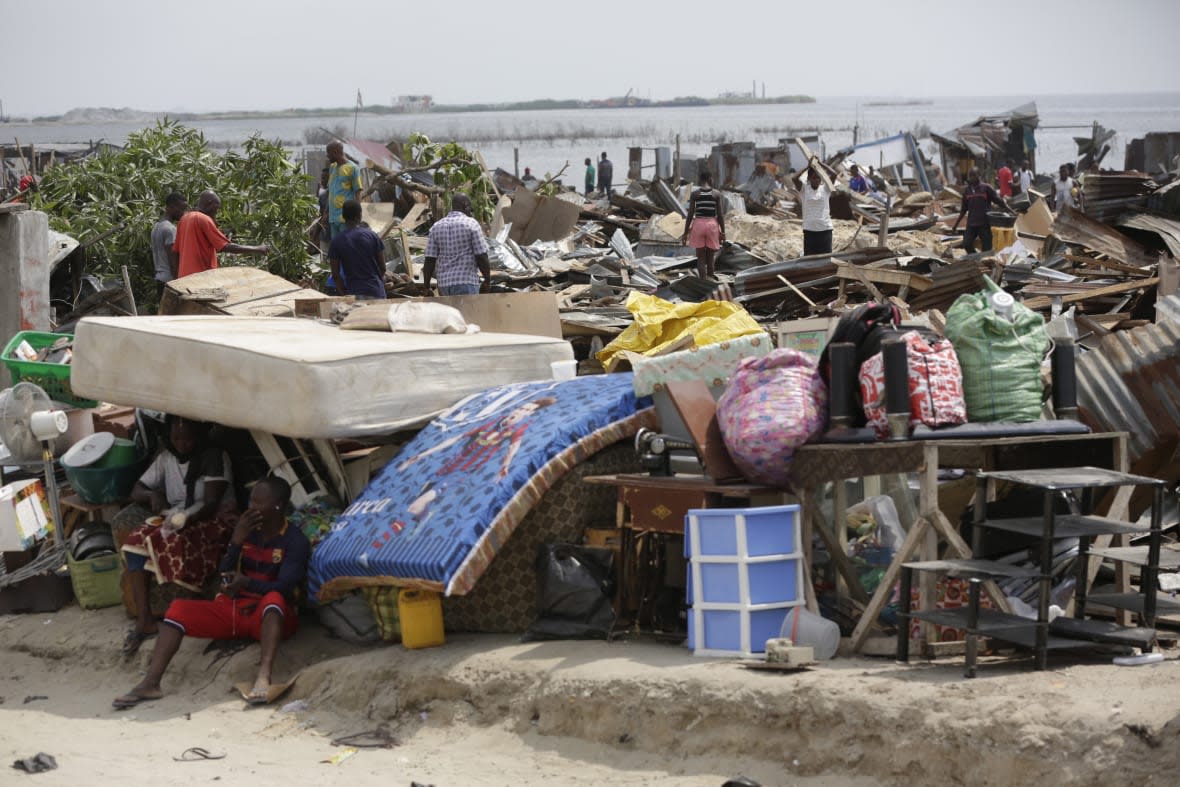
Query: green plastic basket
[[53, 377], [96, 581]]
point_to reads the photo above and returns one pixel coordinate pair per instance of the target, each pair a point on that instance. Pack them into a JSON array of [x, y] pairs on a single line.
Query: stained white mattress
[[296, 377]]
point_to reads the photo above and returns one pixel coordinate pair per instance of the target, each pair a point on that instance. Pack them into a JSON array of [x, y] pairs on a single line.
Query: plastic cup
[[564, 370]]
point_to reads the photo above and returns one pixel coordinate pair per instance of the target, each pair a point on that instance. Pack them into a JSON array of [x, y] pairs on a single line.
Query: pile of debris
[[896, 244]]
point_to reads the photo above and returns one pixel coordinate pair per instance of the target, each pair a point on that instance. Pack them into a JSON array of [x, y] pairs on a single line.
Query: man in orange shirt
[[198, 239]]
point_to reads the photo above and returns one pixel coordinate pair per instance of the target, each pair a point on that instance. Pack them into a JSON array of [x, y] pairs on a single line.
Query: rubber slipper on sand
[[253, 697], [130, 700]]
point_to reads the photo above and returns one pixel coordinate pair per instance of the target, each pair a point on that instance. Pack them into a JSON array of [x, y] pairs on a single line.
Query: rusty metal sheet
[[1168, 229], [1131, 383], [1073, 226], [947, 284]]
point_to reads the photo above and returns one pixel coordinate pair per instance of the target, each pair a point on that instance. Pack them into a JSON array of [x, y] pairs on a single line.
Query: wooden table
[[817, 464], [659, 504]]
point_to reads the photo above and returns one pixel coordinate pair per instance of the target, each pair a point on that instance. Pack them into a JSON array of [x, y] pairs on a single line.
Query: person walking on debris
[[459, 252], [198, 239], [704, 228], [976, 199], [1026, 176], [817, 218], [344, 183], [589, 176], [1064, 190], [606, 172], [529, 177], [164, 257], [263, 566], [857, 182], [1004, 179], [357, 257]]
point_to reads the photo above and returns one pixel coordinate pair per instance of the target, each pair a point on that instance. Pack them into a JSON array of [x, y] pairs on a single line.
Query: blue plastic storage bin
[[769, 530], [721, 630], [768, 581]]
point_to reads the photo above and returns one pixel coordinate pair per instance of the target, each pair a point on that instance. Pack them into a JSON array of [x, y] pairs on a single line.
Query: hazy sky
[[265, 54]]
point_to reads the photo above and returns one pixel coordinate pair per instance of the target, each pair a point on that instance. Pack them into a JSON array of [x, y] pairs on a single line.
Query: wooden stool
[[75, 511]]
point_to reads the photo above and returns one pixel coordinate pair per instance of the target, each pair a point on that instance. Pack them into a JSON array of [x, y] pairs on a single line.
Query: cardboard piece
[[528, 313], [536, 217], [378, 215], [1169, 275], [238, 290], [24, 515], [1036, 220], [809, 335]]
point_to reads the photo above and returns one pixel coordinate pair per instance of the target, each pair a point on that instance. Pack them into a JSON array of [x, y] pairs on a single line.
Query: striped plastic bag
[[1001, 359]]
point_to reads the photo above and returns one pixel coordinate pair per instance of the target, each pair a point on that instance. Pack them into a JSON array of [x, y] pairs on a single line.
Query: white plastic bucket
[[809, 629], [564, 370]]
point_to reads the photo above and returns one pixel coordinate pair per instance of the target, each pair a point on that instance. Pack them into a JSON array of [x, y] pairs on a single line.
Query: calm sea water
[[549, 139]]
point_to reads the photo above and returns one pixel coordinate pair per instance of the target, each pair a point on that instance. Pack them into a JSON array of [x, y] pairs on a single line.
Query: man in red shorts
[[263, 566]]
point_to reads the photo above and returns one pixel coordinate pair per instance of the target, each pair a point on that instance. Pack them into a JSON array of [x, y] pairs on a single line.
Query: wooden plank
[[1097, 292], [696, 407], [900, 278]]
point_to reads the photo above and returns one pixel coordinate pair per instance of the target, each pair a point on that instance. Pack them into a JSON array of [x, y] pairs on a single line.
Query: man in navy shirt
[[264, 565], [976, 199], [357, 257]]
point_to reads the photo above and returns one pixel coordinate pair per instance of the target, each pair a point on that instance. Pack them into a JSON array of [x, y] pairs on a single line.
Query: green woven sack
[[1001, 360]]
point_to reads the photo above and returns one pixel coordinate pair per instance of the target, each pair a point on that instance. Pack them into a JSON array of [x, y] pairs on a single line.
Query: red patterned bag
[[936, 385]]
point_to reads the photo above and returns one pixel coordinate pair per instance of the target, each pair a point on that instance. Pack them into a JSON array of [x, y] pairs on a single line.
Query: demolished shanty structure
[[988, 140]]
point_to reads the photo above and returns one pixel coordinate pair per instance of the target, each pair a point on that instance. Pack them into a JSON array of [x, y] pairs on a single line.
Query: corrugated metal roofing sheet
[[1131, 383], [1168, 229]]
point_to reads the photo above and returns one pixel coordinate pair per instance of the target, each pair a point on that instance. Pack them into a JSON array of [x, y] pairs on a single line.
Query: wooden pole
[[883, 231], [676, 165], [516, 162], [130, 292]]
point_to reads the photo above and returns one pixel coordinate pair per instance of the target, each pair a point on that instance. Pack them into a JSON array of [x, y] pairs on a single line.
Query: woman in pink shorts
[[704, 229]]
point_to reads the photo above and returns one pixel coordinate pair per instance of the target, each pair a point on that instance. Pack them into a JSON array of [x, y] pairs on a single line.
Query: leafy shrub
[[264, 199]]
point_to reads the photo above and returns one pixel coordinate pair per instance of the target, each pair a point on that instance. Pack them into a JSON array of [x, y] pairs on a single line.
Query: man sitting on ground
[[263, 566]]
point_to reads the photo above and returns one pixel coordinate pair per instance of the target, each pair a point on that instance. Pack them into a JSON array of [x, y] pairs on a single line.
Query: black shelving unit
[[1040, 635]]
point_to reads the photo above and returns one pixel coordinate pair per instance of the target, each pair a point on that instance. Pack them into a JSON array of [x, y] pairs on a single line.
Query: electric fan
[[28, 427]]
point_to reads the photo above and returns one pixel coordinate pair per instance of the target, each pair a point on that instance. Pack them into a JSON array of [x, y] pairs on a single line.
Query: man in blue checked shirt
[[458, 252]]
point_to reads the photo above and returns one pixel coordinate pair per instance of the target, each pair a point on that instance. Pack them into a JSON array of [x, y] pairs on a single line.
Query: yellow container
[[1003, 237], [420, 612]]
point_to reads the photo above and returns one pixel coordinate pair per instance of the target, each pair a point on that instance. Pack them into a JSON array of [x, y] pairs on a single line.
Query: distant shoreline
[[85, 115]]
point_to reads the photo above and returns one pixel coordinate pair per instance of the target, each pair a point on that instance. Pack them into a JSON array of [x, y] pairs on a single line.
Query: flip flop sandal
[[134, 639], [196, 753], [130, 701]]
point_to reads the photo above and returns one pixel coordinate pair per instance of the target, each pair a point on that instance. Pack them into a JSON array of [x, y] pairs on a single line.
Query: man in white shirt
[[1026, 177], [1063, 190], [817, 218]]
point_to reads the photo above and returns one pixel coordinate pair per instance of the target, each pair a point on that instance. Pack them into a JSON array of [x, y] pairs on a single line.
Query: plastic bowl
[[100, 485], [122, 453]]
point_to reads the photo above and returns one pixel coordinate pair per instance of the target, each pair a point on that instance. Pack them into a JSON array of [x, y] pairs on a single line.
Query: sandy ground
[[490, 710]]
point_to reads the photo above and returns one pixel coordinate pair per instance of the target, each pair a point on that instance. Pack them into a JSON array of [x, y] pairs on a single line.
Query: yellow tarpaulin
[[660, 323]]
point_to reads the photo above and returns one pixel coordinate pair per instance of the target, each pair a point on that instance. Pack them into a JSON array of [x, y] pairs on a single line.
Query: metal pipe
[[842, 365], [1065, 380]]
